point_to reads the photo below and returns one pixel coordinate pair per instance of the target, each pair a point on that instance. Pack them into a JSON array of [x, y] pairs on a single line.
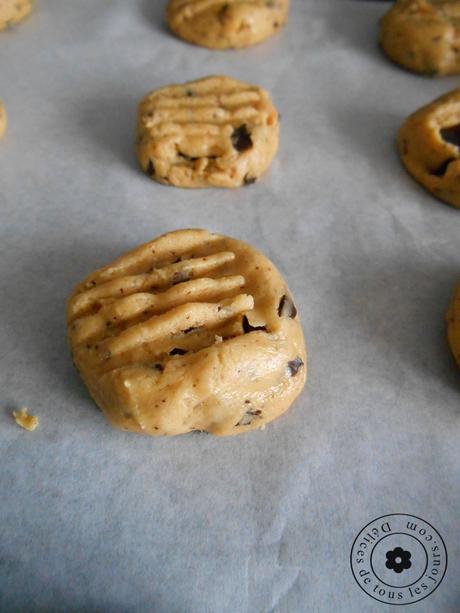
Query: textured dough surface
[[453, 325], [3, 119], [215, 131], [192, 331], [13, 11], [225, 24], [423, 35], [429, 143]]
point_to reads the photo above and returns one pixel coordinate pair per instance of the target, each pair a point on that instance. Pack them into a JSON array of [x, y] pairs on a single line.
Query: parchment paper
[[92, 519]]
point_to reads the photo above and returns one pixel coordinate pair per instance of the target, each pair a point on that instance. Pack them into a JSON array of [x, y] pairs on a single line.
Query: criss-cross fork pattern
[[153, 307], [186, 123]]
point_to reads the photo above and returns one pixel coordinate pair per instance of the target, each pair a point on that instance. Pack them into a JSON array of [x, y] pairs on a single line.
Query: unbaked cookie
[[3, 119], [423, 35], [224, 24], [453, 325], [13, 11], [429, 142], [215, 131], [192, 331]]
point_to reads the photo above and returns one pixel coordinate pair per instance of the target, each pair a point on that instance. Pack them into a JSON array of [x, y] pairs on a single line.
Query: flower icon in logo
[[398, 560]]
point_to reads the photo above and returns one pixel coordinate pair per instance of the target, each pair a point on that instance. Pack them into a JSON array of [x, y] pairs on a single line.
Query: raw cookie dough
[[423, 35], [3, 119], [215, 131], [13, 11], [453, 323], [225, 24], [192, 331], [26, 421], [429, 142]]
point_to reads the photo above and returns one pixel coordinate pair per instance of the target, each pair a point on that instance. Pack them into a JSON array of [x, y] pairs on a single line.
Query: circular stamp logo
[[398, 559]]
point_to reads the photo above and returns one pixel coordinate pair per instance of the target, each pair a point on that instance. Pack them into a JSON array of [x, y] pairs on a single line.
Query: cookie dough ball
[[225, 24], [3, 119], [429, 142], [215, 131], [453, 325], [423, 35], [192, 331], [13, 11]]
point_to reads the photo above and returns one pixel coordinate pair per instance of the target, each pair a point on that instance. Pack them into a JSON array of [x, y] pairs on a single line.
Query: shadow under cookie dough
[[109, 122], [154, 11]]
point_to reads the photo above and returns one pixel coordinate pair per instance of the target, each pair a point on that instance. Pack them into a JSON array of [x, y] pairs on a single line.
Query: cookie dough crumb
[[26, 421], [3, 119]]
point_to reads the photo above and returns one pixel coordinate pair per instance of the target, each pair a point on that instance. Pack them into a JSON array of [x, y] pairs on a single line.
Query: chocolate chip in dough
[[177, 351], [150, 169], [294, 366], [241, 139], [286, 307], [249, 180], [442, 169], [451, 135], [248, 328]]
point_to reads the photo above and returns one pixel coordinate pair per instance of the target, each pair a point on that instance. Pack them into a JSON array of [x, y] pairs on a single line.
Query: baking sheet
[[92, 519]]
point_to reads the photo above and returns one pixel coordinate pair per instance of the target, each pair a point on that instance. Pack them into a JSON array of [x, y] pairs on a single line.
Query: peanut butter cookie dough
[[13, 11], [225, 24], [215, 131], [3, 119], [453, 325], [192, 331], [26, 421], [423, 35], [429, 142]]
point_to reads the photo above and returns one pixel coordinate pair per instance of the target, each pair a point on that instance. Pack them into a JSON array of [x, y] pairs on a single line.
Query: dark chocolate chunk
[[158, 367], [451, 135], [187, 157], [249, 180], [294, 366], [189, 93], [248, 328], [177, 351], [442, 169], [286, 307], [150, 170], [241, 139]]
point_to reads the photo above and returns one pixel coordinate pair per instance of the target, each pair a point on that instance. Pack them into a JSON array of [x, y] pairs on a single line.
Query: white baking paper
[[93, 519]]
